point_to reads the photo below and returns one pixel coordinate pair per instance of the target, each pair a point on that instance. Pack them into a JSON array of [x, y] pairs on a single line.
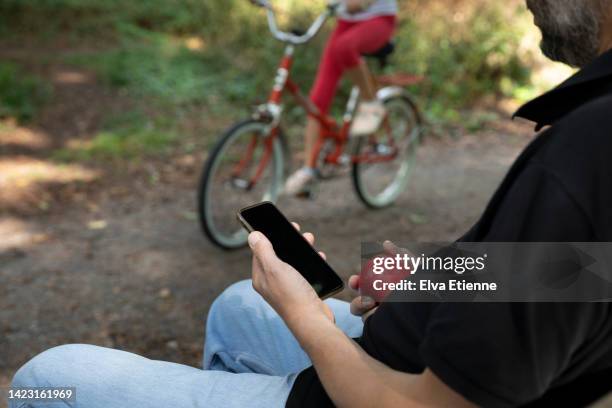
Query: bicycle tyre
[[392, 191], [205, 198]]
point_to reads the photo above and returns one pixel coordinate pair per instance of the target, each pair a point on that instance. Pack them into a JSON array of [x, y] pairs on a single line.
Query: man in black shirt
[[558, 190], [414, 354]]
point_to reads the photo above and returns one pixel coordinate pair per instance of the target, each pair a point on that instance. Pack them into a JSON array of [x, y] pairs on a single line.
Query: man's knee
[[240, 289], [234, 302], [49, 367], [234, 296]]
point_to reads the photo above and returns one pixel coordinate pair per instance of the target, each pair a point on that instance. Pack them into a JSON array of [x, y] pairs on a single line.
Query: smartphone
[[291, 247]]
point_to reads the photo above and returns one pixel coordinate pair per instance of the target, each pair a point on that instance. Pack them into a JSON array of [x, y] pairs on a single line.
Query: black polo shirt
[[520, 354]]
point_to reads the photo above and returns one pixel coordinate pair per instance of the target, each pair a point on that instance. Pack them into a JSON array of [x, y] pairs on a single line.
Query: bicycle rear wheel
[[246, 166], [380, 178]]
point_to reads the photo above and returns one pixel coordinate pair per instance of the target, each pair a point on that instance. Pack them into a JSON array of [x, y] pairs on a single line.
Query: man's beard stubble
[[570, 29]]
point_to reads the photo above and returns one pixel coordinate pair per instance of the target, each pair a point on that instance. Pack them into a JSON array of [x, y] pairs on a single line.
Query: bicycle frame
[[330, 130], [271, 111], [250, 160]]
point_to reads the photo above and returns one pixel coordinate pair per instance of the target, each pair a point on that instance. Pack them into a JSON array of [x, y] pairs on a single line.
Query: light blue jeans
[[251, 359]]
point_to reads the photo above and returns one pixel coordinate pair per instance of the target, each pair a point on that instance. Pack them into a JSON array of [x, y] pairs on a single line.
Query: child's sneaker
[[299, 181], [368, 118]]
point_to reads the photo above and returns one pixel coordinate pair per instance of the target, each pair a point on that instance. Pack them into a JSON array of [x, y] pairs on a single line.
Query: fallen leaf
[[417, 218], [189, 215], [97, 224], [164, 293]]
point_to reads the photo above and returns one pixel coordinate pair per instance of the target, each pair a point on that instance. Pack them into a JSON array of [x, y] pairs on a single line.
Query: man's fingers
[[262, 249], [323, 255], [309, 237], [361, 305], [390, 248], [353, 282], [368, 313]]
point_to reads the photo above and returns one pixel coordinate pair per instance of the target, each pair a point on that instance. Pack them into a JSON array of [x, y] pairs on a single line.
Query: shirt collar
[[578, 89]]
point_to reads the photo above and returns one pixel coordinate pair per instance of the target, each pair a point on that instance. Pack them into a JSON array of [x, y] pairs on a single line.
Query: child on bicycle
[[364, 26]]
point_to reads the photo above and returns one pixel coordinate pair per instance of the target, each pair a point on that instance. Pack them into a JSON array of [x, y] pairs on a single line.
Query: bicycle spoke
[[246, 169], [385, 157]]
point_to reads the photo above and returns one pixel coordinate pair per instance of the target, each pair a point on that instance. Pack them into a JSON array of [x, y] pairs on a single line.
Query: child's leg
[[364, 37], [343, 52], [323, 90], [330, 69]]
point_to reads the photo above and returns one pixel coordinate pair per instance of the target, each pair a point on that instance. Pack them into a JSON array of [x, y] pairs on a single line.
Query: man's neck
[[605, 34], [605, 43]]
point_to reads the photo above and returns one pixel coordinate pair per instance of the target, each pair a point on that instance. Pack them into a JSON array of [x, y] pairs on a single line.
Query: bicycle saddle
[[382, 54]]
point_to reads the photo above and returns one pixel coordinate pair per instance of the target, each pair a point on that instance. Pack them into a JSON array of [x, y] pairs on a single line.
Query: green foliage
[[466, 59], [20, 95], [160, 67], [213, 18], [130, 135], [172, 75], [467, 49]]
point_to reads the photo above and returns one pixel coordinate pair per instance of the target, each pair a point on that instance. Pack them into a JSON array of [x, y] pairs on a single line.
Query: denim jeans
[[251, 359]]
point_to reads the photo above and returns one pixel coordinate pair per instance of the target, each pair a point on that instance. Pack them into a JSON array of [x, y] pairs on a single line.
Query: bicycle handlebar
[[291, 38]]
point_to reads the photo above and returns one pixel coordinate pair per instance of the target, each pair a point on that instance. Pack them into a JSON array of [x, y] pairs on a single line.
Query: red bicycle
[[249, 162]]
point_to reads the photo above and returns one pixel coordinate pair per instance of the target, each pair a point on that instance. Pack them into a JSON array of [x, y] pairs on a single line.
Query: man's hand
[[350, 376], [282, 286], [363, 306]]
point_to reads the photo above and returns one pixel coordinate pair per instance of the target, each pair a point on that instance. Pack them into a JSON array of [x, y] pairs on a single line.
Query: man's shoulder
[[577, 153], [589, 122], [582, 135]]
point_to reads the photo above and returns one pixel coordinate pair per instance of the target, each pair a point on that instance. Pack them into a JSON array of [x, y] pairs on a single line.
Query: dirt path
[[118, 259], [134, 271]]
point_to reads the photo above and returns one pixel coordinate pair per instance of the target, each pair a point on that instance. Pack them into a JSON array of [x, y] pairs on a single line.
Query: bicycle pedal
[[344, 159], [239, 183], [383, 149], [306, 195]]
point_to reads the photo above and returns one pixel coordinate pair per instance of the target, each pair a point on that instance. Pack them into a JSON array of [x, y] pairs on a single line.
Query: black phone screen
[[291, 247]]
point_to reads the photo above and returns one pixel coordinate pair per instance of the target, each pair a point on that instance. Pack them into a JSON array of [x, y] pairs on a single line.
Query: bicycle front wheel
[[246, 166], [382, 162]]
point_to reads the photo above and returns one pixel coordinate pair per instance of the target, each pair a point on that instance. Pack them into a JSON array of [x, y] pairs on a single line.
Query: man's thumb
[[254, 238], [261, 247]]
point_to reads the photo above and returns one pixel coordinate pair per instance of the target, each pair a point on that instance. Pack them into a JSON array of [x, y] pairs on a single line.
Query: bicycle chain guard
[[325, 169]]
